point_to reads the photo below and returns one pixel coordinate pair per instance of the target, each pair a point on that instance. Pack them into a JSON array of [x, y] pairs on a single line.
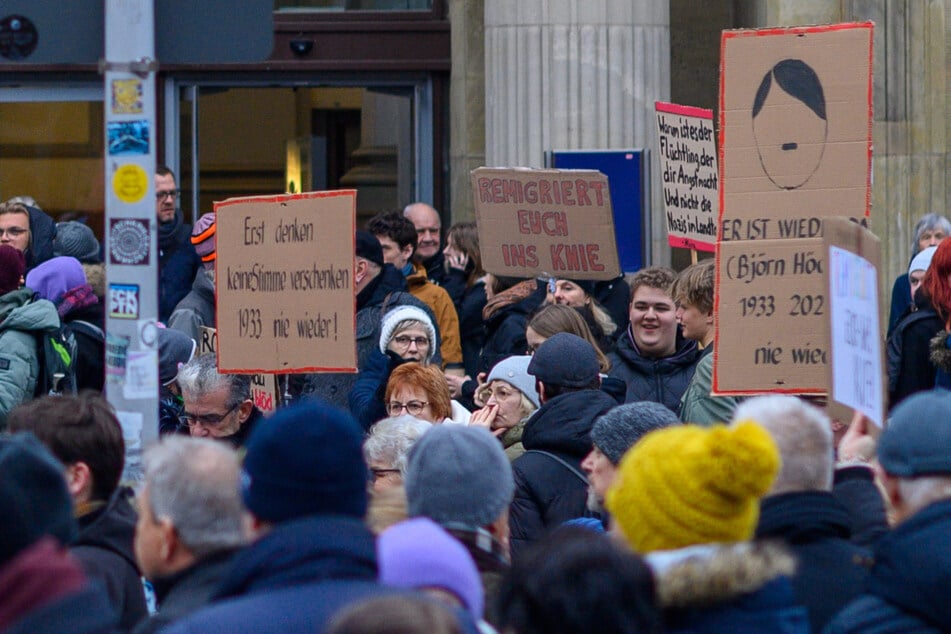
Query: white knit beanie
[[403, 313]]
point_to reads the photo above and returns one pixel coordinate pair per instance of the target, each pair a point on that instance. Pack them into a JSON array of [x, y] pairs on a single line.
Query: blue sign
[[626, 171]]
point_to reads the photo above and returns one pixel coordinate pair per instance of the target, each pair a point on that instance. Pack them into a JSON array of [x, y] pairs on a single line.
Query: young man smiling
[[652, 358]]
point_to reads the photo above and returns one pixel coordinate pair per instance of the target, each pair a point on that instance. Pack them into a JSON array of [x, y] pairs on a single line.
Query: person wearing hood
[[21, 318], [197, 308], [83, 433], [550, 487], [175, 349], [62, 281], [28, 229], [178, 261], [651, 357], [687, 499]]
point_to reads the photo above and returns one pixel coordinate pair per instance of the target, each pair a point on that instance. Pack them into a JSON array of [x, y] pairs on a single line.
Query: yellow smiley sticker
[[130, 183]]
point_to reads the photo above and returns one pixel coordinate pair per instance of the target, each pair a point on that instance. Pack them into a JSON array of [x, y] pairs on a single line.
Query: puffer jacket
[[21, 319], [659, 380], [197, 308]]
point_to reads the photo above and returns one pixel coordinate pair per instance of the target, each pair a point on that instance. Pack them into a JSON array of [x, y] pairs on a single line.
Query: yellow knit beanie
[[688, 485]]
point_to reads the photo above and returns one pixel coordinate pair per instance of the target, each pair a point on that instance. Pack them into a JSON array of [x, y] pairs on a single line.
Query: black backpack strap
[[89, 329], [563, 463]]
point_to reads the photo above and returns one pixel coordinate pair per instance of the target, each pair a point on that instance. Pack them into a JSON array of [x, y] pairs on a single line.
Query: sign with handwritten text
[[265, 389], [284, 283], [688, 164]]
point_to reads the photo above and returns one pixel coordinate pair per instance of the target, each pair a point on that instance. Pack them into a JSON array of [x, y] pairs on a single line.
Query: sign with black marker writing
[[265, 389], [284, 283]]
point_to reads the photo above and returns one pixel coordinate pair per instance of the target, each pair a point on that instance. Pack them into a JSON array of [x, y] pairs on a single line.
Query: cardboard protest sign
[[856, 368], [553, 223], [265, 389], [795, 127], [284, 283], [688, 163], [795, 148]]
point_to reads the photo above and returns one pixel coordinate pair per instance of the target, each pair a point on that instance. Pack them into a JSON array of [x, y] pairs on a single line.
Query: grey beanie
[[458, 476], [514, 370], [619, 429], [76, 240]]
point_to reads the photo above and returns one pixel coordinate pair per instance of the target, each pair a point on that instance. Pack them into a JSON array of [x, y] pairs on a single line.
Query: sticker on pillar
[[129, 241], [126, 96], [148, 333], [124, 301], [128, 137], [141, 375], [117, 354], [130, 183]]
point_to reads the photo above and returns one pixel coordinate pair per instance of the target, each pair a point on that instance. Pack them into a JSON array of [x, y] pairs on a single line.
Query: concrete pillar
[[575, 74]]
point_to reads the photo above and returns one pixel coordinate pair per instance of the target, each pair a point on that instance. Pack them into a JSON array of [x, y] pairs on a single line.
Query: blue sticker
[[124, 301], [128, 137]]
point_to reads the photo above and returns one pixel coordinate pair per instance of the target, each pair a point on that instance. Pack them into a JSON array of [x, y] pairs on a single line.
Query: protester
[[687, 498], [175, 349], [576, 582], [506, 316], [908, 586], [550, 487], [83, 433], [419, 555], [178, 263], [421, 391], [428, 251], [196, 309], [386, 448], [395, 615], [42, 587], [510, 399], [62, 281], [217, 405], [801, 511], [554, 318], [191, 522], [929, 231], [304, 484], [611, 436], [75, 239], [460, 478], [652, 358], [380, 288], [914, 348], [406, 335], [693, 293], [579, 294], [466, 282], [398, 239], [21, 319], [26, 228]]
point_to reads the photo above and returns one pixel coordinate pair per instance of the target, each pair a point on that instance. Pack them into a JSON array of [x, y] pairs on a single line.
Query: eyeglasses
[[13, 232], [206, 420], [413, 408], [403, 341], [162, 195], [376, 474]]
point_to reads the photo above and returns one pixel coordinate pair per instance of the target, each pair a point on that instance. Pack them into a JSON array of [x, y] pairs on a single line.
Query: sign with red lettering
[[688, 164], [552, 223], [265, 389]]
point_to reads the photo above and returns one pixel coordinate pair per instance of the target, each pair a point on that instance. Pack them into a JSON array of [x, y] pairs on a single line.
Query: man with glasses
[[178, 262], [217, 405], [27, 229]]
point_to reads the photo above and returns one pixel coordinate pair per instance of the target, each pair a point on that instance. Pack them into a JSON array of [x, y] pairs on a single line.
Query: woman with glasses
[[386, 447], [421, 391], [510, 399], [406, 334]]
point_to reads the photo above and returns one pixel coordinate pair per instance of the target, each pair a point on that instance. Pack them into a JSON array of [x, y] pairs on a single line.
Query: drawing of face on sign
[[789, 123]]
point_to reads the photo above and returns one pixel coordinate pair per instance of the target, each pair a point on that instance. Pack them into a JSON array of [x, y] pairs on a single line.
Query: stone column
[[576, 74]]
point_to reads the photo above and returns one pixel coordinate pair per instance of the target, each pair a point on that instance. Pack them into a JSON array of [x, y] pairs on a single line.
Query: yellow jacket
[[447, 320]]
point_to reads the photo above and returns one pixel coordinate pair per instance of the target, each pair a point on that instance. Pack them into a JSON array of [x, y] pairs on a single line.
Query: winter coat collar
[[563, 424], [803, 517], [685, 354]]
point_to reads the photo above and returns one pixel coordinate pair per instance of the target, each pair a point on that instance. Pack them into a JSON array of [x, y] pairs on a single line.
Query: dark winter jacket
[[178, 263], [907, 355], [292, 579], [104, 548], [386, 292], [469, 303], [90, 346], [659, 380], [187, 591], [42, 234], [855, 489], [901, 300], [436, 270], [615, 296], [737, 588], [171, 409], [909, 585], [546, 492], [505, 329], [197, 308], [240, 438], [830, 570]]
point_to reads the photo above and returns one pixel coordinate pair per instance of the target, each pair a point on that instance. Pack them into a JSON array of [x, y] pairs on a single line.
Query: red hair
[[427, 378], [937, 282]]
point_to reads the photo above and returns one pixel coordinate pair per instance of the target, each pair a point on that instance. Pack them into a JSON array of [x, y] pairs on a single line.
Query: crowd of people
[[513, 455]]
